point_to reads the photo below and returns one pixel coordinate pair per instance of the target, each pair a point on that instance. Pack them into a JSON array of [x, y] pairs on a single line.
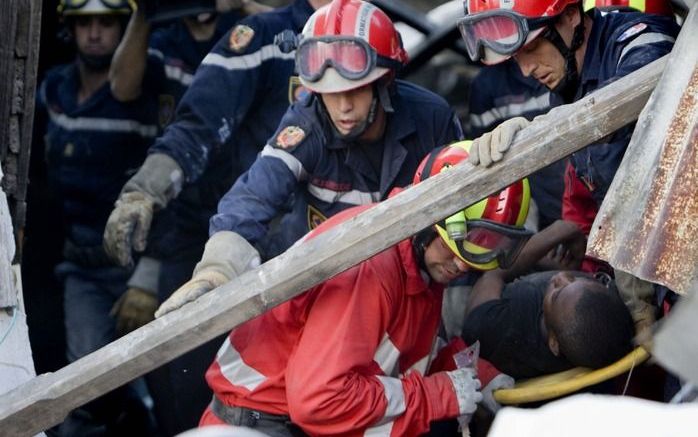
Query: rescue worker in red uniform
[[350, 356]]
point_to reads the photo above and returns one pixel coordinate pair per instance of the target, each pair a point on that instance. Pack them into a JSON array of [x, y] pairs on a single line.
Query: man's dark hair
[[601, 331]]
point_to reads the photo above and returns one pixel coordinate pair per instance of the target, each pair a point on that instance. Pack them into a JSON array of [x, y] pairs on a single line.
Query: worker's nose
[[525, 64]]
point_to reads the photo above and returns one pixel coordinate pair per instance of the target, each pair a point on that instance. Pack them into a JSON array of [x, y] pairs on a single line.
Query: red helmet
[[347, 44], [487, 234], [659, 7], [493, 30]]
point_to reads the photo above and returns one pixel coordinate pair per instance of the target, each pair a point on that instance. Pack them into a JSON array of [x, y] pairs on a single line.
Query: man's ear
[[553, 344]]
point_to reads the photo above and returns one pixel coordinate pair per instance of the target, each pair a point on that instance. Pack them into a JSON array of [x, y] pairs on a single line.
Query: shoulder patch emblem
[[631, 31], [240, 37], [290, 136], [166, 109], [315, 217], [296, 90]]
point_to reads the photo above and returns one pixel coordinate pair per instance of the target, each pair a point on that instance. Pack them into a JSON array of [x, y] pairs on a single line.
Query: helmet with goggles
[[96, 7], [487, 234], [345, 45], [493, 30]]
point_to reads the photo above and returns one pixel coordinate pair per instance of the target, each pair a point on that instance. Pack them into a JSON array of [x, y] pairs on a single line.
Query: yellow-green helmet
[[487, 234]]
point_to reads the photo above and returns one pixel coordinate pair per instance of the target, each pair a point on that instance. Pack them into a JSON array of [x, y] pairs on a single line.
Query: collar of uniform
[[301, 11], [415, 282]]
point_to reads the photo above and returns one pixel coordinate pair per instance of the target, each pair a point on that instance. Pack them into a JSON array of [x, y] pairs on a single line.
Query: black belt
[[241, 416]]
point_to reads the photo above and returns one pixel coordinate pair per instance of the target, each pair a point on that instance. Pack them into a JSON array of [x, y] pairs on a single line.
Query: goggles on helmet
[[75, 5], [353, 58], [493, 36], [482, 241]]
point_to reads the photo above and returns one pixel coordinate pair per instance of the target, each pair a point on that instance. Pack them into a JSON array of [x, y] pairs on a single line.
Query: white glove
[[466, 386], [500, 381], [490, 147], [226, 256]]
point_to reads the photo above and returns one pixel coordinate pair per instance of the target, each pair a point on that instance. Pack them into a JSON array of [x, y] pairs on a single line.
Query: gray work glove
[[137, 306], [226, 256], [158, 181], [491, 146], [466, 386]]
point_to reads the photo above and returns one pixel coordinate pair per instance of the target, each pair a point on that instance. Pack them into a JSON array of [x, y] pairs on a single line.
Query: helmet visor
[[494, 36], [486, 241], [352, 58]]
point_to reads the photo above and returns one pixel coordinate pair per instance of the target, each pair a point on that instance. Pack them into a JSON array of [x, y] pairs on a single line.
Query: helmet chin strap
[[359, 130], [567, 88]]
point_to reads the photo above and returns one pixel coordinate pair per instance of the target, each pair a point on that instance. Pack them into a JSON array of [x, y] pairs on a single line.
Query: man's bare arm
[[128, 65]]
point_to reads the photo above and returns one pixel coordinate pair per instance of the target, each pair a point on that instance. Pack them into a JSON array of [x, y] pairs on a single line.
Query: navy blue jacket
[[619, 44], [235, 102], [92, 149], [327, 174], [237, 97]]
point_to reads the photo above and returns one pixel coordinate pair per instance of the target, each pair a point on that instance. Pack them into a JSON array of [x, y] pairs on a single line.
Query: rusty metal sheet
[[648, 223]]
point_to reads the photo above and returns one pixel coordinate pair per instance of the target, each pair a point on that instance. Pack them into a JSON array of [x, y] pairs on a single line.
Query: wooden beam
[[47, 399]]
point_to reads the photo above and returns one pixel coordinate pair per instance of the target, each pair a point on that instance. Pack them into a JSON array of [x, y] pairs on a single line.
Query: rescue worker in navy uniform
[[359, 134], [235, 102], [93, 144], [572, 53]]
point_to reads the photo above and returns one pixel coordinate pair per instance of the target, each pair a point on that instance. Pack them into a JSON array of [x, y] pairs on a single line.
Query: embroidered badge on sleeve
[[240, 37], [632, 31], [289, 137]]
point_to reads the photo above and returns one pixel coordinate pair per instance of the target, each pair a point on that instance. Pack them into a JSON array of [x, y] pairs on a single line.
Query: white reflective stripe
[[353, 197], [386, 356], [291, 161], [645, 38], [380, 430], [250, 61], [394, 395], [157, 53], [103, 125], [362, 28], [506, 112], [177, 73], [235, 370]]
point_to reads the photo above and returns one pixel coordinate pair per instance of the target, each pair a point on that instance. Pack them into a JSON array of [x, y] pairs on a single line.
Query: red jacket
[[347, 356]]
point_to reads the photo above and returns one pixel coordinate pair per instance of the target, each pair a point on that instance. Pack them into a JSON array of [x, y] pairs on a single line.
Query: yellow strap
[[570, 381]]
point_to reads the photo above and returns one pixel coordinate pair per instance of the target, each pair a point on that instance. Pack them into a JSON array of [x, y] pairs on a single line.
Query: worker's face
[[349, 110], [442, 264], [97, 35], [541, 59]]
